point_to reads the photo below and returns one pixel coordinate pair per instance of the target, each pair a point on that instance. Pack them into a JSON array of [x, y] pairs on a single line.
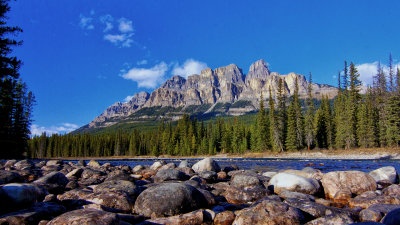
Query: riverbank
[[367, 153]]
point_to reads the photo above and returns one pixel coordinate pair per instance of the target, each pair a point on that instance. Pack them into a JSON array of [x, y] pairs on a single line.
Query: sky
[[81, 56]]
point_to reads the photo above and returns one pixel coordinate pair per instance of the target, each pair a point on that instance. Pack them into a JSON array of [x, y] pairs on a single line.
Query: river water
[[259, 164]]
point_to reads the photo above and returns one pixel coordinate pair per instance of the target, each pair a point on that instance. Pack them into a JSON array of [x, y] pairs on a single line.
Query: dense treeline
[[15, 99], [353, 120]]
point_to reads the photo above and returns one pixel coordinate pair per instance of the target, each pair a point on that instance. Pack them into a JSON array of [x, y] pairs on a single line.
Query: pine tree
[[365, 127], [282, 112], [295, 130], [15, 101], [276, 138], [261, 131], [323, 124], [309, 129]]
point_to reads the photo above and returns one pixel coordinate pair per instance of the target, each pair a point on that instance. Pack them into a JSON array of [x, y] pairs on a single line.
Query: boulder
[[86, 217], [236, 195], [16, 196], [75, 173], [333, 219], [269, 174], [245, 181], [157, 165], [54, 163], [385, 174], [137, 168], [222, 175], [296, 195], [169, 199], [94, 164], [209, 176], [33, 215], [81, 163], [269, 212], [192, 218], [207, 164], [169, 174], [9, 177], [292, 182], [224, 218], [117, 186], [349, 182], [314, 209], [392, 218], [168, 166], [366, 202], [10, 163], [24, 164], [392, 190], [55, 182], [185, 163]]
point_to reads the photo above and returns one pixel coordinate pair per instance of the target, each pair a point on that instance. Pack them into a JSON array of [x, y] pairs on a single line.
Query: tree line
[[352, 120], [15, 100]]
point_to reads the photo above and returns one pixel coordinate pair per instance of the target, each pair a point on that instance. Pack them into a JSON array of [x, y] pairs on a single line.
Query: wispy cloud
[[63, 128], [141, 62], [107, 20], [368, 70], [190, 67], [123, 37], [147, 77], [125, 25], [86, 23]]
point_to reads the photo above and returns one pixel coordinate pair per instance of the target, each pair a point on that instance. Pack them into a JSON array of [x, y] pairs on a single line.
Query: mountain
[[222, 91]]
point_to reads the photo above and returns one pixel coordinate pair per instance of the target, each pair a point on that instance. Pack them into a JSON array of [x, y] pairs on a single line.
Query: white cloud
[[368, 70], [120, 40], [127, 98], [37, 130], [190, 67], [148, 78], [107, 20], [86, 23], [125, 25], [141, 62]]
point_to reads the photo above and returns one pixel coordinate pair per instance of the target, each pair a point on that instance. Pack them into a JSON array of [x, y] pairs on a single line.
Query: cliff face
[[222, 85]]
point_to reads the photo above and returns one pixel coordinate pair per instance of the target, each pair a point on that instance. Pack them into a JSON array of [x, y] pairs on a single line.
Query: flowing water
[[258, 164]]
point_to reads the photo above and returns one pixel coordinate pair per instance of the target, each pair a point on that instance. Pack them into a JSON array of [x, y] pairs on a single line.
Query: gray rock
[[334, 219], [169, 174], [75, 173], [209, 176], [9, 177], [385, 174], [86, 217], [392, 218], [94, 164], [310, 207], [117, 186], [296, 195], [33, 215], [10, 163], [269, 212], [236, 195], [18, 196], [245, 181], [24, 164], [54, 163], [185, 163], [169, 199], [81, 163], [207, 164], [292, 182], [157, 165], [55, 182]]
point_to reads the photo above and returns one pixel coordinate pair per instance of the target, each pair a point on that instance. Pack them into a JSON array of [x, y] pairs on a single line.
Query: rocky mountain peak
[[230, 73], [258, 70], [176, 82], [139, 98]]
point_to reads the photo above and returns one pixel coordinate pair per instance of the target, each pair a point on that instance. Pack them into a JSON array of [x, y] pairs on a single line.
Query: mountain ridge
[[224, 90]]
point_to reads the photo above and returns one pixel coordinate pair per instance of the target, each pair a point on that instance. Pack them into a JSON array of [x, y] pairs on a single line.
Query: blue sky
[[80, 56]]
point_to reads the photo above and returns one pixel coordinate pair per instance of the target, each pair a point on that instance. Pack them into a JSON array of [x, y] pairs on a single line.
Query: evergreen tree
[[261, 132], [365, 128], [309, 117], [276, 138], [15, 101], [295, 130], [282, 112]]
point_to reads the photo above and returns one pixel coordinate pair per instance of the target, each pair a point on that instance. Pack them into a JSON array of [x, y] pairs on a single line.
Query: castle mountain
[[225, 90]]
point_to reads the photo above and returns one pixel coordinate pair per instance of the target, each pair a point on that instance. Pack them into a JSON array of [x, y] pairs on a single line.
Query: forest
[[354, 119]]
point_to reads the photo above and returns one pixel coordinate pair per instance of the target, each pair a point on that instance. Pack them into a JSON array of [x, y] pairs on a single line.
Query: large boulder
[[9, 177], [54, 182], [376, 212], [117, 186], [269, 212], [385, 174], [207, 164], [237, 195], [245, 181], [341, 185], [392, 218], [292, 182], [169, 199], [18, 196], [157, 165], [33, 215], [86, 217], [169, 174]]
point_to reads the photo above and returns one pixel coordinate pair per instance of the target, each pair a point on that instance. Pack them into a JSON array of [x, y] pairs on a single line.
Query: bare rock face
[[339, 183], [222, 85]]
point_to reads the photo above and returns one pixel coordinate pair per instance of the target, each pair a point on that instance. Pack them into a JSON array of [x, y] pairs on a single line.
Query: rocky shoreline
[[56, 192]]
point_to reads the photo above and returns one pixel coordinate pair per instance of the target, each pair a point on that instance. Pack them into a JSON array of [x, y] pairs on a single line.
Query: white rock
[[206, 164], [387, 173], [292, 182]]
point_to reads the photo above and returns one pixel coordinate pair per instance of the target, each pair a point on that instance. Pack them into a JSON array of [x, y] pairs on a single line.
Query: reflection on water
[[325, 165]]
